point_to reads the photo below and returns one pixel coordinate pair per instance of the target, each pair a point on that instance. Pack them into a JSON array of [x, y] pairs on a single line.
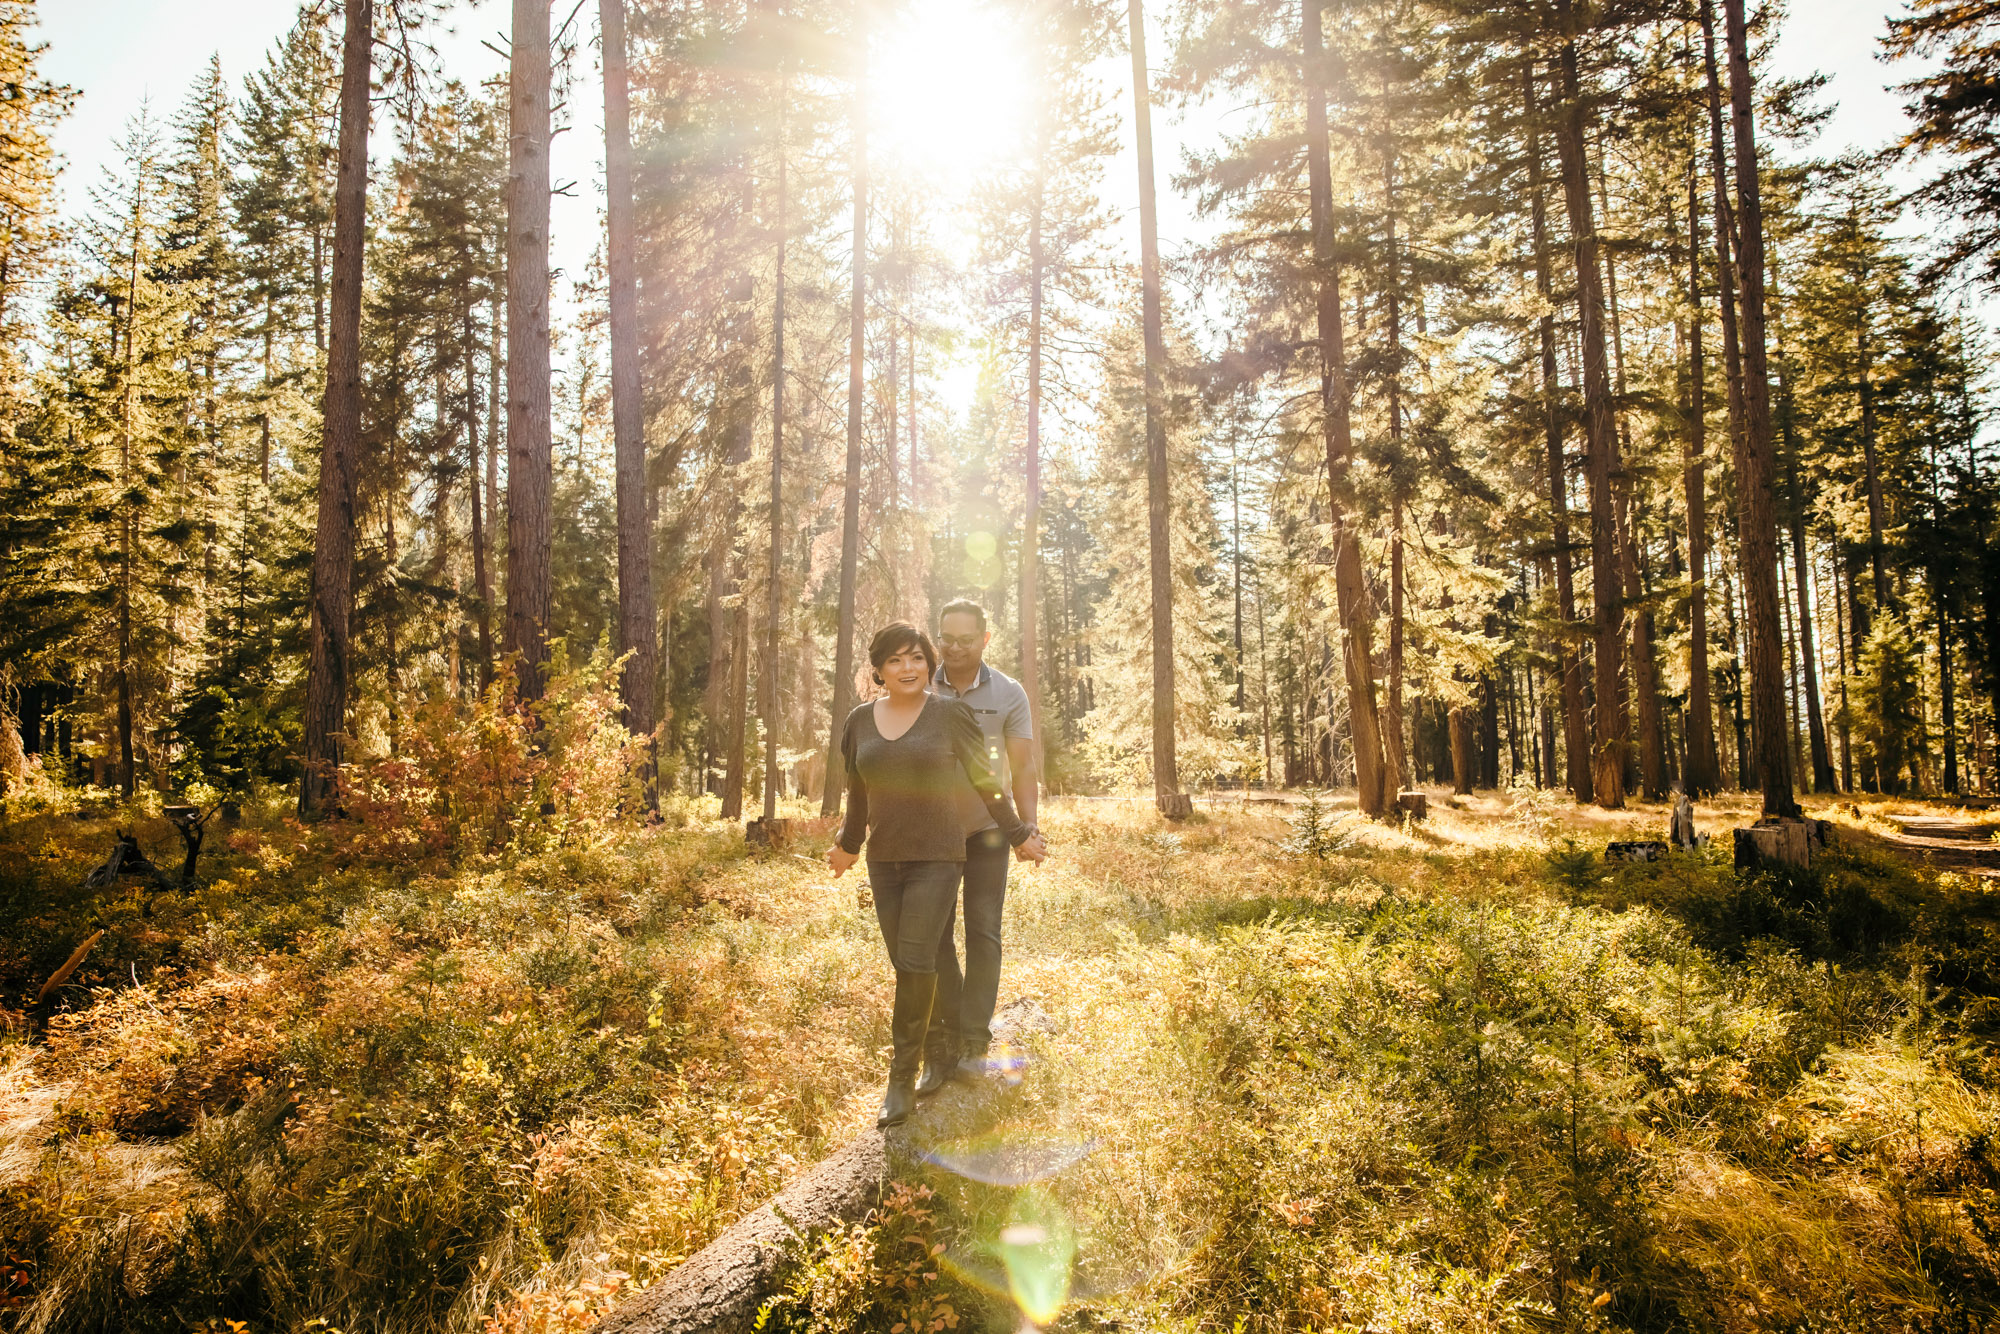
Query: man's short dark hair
[[966, 606]]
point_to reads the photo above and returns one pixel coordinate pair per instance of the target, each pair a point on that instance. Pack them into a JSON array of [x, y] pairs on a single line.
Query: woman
[[909, 755]]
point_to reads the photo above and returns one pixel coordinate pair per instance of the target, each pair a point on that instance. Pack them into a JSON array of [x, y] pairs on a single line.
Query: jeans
[[968, 1000], [914, 903]]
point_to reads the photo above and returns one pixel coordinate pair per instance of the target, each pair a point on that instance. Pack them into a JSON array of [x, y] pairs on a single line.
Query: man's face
[[963, 642]]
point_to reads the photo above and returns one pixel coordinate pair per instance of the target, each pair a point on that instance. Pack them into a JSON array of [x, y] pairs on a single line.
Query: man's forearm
[[1027, 783]]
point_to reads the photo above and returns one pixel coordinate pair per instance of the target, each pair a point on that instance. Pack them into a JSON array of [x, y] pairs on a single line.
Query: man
[[961, 1023]]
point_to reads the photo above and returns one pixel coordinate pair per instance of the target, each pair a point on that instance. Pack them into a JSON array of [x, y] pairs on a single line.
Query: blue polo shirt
[[1001, 706]]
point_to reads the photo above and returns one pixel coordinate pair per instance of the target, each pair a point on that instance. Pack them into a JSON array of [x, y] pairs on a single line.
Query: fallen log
[[719, 1289]]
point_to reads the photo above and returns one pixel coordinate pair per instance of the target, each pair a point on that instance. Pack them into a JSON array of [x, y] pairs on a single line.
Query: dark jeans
[[969, 999], [914, 902]]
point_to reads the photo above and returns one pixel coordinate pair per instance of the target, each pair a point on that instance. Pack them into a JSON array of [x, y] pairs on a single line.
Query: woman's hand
[[840, 859], [1032, 849]]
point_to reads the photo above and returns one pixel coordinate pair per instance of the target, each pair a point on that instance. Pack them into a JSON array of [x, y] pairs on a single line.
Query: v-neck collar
[[876, 722]]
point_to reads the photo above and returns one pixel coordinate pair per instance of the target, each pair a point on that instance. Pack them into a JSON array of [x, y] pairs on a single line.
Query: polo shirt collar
[[985, 675]]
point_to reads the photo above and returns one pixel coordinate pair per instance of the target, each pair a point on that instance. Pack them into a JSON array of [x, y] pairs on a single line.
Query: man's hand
[[840, 859], [1032, 849]]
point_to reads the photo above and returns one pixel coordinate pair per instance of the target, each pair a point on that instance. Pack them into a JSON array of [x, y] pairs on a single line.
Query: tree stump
[[1175, 805], [720, 1288], [1416, 805], [767, 833], [1680, 827], [1780, 841]]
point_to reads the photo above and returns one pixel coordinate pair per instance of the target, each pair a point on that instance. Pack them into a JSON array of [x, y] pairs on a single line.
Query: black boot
[[973, 1063], [908, 1023], [940, 1060]]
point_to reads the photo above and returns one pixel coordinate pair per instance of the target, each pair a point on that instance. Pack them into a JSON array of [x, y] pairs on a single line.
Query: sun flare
[[948, 90]]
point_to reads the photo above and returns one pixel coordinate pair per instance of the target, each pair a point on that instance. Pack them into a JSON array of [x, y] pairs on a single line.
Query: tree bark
[[1462, 757], [1395, 759], [333, 541], [1757, 532], [1700, 773], [530, 458], [1031, 487], [637, 636], [774, 583], [1350, 592], [1569, 667], [1600, 443], [1871, 455], [850, 524], [482, 575], [1166, 765], [1821, 753], [1651, 744]]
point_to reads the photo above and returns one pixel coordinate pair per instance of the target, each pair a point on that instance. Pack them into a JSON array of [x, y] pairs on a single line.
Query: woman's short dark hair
[[899, 637]]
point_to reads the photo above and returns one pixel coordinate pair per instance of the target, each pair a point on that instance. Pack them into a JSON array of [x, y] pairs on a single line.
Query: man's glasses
[[960, 641]]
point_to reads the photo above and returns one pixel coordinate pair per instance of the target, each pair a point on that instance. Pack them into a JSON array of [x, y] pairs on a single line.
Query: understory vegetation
[[1300, 1072]]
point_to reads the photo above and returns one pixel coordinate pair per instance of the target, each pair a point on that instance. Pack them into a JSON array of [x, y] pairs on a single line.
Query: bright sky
[[119, 53]]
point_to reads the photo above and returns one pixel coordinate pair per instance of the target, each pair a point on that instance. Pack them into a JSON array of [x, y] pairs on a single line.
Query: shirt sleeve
[[968, 742], [854, 828], [1019, 722]]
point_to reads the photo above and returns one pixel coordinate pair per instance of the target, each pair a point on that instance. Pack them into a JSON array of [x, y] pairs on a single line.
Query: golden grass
[[1406, 1087]]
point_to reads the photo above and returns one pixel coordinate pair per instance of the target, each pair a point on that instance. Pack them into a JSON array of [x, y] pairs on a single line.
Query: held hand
[[1033, 850], [840, 859]]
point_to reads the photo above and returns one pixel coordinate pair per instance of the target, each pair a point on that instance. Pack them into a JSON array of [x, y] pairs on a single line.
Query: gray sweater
[[902, 795]]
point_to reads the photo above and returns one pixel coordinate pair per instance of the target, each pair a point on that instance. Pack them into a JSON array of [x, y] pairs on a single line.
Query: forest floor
[[1305, 1072]]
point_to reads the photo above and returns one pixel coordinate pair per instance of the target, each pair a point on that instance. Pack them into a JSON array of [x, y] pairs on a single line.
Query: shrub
[[884, 1275], [469, 776]]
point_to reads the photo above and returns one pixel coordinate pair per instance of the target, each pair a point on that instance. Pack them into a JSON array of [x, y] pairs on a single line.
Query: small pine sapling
[[1573, 866]]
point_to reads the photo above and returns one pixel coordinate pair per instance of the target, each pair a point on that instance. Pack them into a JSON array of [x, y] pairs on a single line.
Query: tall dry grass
[[1389, 1077]]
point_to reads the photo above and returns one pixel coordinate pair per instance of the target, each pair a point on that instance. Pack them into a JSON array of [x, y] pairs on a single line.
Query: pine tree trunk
[[1821, 753], [1757, 530], [127, 522], [735, 761], [1569, 666], [1395, 759], [774, 581], [1031, 486], [482, 576], [850, 523], [1871, 455], [327, 668], [1600, 443], [637, 637], [1700, 775], [1462, 757], [729, 671], [1744, 770], [1166, 765], [715, 691], [1651, 745], [1350, 593], [530, 456], [496, 356], [1833, 564]]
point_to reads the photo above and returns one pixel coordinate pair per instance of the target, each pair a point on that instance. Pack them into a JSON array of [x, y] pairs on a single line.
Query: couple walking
[[929, 764]]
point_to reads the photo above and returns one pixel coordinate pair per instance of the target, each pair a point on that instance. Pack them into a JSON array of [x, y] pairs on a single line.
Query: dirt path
[[1948, 844]]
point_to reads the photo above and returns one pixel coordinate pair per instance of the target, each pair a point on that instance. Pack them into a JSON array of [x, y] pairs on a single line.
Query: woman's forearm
[[854, 826]]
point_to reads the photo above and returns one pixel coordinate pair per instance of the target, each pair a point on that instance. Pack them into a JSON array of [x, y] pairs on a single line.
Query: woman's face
[[906, 673]]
